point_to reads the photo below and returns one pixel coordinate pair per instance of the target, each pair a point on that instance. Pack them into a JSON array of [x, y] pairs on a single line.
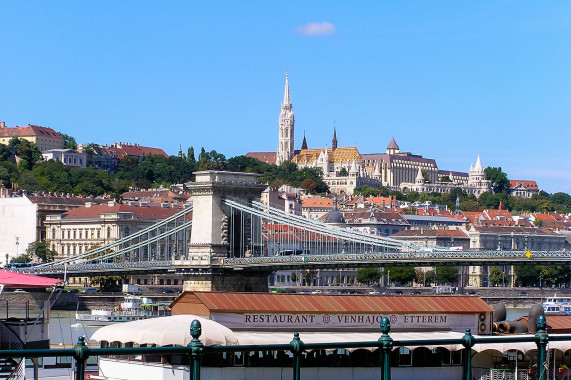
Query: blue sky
[[449, 80]]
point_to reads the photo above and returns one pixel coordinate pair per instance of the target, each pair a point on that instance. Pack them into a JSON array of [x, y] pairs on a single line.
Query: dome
[[334, 216]]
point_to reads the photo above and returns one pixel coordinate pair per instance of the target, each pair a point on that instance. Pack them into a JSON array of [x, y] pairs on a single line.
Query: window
[[405, 357]]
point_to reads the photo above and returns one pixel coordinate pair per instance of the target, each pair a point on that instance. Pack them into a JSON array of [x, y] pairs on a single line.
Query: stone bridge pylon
[[213, 237]]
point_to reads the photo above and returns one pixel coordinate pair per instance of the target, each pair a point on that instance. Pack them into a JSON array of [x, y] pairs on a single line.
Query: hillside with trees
[[33, 174]]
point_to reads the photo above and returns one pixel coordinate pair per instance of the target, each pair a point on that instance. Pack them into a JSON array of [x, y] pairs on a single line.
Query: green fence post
[[468, 342], [196, 348], [386, 348], [296, 349], [541, 342], [80, 355]]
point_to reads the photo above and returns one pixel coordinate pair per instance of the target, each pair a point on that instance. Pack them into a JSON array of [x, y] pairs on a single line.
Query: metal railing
[[10, 341], [195, 349]]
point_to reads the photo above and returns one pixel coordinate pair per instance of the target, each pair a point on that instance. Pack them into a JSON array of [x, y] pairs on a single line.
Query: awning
[[165, 331], [175, 330], [20, 280]]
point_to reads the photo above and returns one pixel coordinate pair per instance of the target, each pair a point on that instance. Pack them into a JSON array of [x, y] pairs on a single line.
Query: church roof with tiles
[[337, 155]]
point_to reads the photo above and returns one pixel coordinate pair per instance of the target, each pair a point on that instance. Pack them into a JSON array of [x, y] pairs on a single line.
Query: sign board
[[329, 322]]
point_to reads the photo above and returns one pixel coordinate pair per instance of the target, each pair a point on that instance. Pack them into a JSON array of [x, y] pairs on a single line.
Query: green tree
[[69, 141], [446, 274], [28, 152], [430, 277], [307, 278], [26, 181], [190, 155], [23, 258], [445, 179], [41, 250], [293, 277], [5, 152], [368, 275], [554, 275], [496, 275], [343, 173], [527, 275], [105, 282], [500, 181], [401, 275]]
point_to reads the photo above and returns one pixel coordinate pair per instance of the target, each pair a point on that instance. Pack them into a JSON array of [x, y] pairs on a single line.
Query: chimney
[[88, 204], [111, 203], [2, 124]]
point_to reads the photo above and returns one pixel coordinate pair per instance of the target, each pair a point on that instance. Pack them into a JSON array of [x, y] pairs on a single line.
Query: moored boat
[[557, 305], [132, 308]]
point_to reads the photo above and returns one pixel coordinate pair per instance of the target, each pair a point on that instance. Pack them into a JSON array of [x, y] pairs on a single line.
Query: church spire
[[334, 141], [304, 143], [286, 90]]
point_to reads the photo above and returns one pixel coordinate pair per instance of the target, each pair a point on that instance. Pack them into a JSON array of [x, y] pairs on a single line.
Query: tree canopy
[[368, 275], [34, 174], [500, 181]]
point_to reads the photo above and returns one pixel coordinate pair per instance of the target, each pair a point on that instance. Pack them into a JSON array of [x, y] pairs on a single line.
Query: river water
[[64, 329]]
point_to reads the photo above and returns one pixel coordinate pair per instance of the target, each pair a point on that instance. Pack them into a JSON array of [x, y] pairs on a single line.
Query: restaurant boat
[[133, 308]]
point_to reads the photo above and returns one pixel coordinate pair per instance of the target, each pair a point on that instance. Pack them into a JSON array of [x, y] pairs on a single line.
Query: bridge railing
[[411, 256], [195, 349]]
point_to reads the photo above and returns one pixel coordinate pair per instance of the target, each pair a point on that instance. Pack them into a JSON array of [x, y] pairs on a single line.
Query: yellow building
[[44, 138]]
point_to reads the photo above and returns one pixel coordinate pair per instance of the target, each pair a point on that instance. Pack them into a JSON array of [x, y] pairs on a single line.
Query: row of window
[[401, 357]]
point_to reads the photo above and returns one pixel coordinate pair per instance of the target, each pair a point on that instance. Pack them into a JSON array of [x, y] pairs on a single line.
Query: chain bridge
[[229, 236]]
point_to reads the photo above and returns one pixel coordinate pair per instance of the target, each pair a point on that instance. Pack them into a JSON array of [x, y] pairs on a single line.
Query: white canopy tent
[[175, 330]]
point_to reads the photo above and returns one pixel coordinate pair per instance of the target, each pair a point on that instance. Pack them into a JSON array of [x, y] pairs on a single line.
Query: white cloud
[[316, 29]]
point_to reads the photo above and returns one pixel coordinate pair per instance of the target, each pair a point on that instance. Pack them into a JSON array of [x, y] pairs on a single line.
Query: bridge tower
[[213, 235]]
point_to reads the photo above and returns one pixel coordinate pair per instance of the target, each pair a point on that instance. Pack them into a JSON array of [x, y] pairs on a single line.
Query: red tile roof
[[529, 185], [29, 130], [317, 202], [122, 150], [331, 304], [93, 212], [269, 157]]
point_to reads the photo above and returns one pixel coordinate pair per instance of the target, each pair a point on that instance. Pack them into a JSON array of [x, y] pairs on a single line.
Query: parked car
[[522, 294], [416, 292], [89, 291], [20, 291]]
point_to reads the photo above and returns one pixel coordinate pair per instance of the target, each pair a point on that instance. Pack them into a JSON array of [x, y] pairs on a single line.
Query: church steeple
[[286, 132], [334, 141], [304, 143], [286, 91]]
